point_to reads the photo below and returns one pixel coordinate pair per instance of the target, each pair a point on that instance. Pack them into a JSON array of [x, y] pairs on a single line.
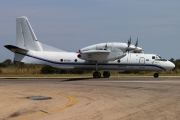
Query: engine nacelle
[[138, 50], [112, 47], [101, 56]]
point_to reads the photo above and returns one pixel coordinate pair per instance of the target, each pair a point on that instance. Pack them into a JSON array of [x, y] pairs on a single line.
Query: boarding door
[[142, 62]]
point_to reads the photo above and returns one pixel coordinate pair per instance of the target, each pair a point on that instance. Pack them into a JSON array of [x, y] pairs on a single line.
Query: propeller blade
[[129, 42], [136, 42], [106, 46]]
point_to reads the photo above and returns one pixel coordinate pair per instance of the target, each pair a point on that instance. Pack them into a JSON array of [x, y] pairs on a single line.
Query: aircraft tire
[[156, 75], [96, 74], [106, 74]]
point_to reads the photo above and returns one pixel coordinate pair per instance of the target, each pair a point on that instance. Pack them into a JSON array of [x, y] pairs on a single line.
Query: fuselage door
[[142, 62]]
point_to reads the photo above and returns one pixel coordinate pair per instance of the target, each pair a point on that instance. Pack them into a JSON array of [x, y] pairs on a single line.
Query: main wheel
[[156, 75], [96, 74], [106, 74]]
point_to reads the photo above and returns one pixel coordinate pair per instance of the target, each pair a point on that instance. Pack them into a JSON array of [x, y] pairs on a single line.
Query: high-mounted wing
[[108, 51], [101, 52], [96, 51]]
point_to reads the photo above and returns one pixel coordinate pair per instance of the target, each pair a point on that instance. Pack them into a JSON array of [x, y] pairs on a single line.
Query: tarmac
[[115, 98]]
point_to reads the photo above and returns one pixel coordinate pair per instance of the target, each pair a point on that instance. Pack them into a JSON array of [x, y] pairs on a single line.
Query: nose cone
[[169, 65]]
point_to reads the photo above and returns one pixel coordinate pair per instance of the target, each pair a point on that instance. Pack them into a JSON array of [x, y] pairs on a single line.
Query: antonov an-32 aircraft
[[99, 57]]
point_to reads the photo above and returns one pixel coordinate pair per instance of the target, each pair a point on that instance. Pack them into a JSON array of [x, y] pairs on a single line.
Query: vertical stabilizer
[[25, 36]]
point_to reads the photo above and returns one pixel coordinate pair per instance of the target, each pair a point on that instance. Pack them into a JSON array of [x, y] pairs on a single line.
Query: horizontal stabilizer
[[15, 48]]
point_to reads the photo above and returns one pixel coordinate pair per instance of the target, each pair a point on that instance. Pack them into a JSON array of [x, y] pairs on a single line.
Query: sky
[[73, 24]]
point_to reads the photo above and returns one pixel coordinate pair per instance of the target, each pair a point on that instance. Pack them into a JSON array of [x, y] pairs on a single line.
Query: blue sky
[[74, 24]]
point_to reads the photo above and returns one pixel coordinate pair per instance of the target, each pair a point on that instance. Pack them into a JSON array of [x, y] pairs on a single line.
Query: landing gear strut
[[156, 75], [97, 74]]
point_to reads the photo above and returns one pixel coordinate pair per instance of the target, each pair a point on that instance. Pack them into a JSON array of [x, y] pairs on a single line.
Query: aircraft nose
[[170, 65]]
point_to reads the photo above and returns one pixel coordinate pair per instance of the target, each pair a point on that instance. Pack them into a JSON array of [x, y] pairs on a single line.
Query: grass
[[34, 71]]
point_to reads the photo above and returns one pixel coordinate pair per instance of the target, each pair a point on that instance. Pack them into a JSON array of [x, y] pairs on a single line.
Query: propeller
[[129, 46], [137, 49]]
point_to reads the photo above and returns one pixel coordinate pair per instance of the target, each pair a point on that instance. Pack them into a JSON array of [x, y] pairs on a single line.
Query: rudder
[[25, 36]]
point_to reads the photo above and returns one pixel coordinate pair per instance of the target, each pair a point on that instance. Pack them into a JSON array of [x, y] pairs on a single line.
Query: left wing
[[101, 55], [108, 51], [96, 51]]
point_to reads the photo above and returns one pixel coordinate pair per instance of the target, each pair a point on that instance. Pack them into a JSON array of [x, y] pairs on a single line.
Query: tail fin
[[25, 36]]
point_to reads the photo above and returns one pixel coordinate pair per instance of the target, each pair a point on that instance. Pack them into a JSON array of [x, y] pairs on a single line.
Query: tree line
[[41, 69]]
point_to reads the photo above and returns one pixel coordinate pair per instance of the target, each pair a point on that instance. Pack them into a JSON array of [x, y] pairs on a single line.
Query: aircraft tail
[[25, 36], [27, 39]]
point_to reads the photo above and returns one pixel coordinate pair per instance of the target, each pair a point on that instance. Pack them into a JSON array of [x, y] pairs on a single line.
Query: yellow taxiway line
[[72, 101]]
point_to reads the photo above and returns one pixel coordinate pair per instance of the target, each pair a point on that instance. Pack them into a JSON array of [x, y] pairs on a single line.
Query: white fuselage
[[69, 60]]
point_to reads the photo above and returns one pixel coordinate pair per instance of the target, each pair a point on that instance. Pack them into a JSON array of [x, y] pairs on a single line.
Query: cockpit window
[[159, 58], [153, 57]]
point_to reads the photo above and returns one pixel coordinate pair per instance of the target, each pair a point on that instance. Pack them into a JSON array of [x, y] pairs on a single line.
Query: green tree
[[7, 62]]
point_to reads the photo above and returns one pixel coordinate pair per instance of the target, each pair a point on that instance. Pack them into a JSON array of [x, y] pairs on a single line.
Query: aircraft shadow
[[75, 79]]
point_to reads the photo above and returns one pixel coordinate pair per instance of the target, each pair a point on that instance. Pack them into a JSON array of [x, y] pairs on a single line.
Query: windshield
[[159, 58]]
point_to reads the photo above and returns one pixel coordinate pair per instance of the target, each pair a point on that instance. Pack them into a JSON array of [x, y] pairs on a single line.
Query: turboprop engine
[[108, 51], [103, 52]]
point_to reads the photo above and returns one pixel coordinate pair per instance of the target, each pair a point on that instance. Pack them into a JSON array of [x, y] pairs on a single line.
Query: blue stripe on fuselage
[[63, 63]]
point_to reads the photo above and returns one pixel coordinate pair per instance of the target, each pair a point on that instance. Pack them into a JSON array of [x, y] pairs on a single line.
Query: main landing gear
[[97, 74], [156, 75], [107, 74]]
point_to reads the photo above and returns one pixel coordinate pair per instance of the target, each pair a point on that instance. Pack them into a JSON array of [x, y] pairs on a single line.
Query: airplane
[[111, 56]]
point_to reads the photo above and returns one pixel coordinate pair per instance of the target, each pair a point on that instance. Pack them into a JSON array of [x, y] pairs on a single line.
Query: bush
[[47, 70], [2, 65]]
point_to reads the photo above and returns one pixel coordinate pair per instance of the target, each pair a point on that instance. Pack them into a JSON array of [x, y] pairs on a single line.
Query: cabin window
[[118, 61], [153, 57], [75, 60], [61, 60], [147, 59]]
